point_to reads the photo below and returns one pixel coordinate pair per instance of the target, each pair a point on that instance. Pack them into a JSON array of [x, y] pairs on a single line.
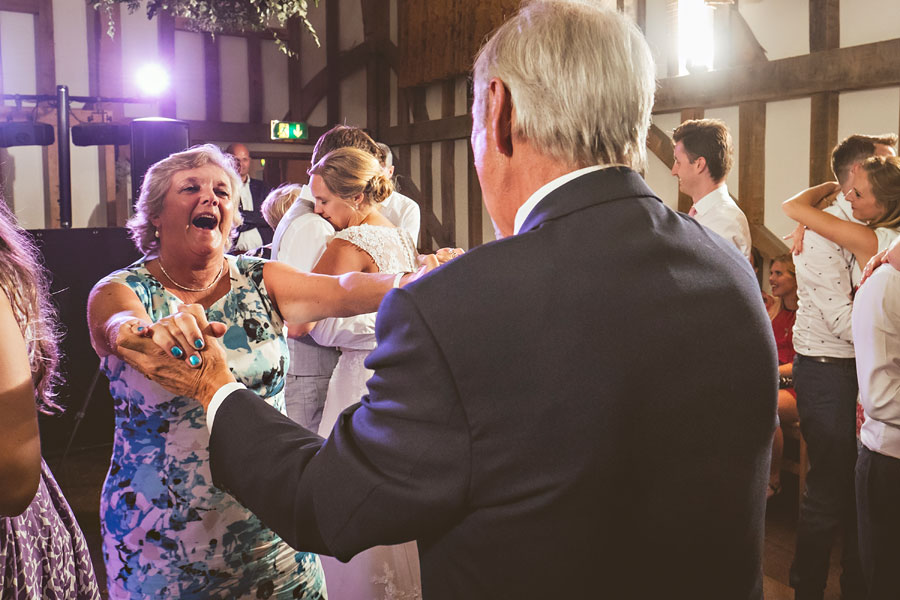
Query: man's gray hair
[[581, 78], [156, 185]]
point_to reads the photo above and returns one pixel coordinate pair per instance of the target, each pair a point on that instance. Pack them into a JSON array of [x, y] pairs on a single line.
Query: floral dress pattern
[[168, 532], [43, 555]]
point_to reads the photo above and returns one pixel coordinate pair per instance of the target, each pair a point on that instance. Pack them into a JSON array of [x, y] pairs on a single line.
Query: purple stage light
[[152, 79]]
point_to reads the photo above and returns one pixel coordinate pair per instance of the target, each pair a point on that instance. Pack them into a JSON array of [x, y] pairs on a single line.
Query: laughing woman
[[167, 531]]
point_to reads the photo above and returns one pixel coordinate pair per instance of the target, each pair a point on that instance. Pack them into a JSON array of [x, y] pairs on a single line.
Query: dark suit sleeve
[[395, 468]]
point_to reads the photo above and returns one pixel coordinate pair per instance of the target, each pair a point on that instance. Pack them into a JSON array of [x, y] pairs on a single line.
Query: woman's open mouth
[[205, 221]]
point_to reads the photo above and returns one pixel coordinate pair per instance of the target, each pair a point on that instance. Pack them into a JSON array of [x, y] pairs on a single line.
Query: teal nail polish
[[198, 344], [141, 328], [177, 352], [194, 360]]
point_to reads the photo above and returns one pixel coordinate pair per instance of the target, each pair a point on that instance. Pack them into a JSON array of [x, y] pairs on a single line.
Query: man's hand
[[889, 256], [177, 376], [426, 262]]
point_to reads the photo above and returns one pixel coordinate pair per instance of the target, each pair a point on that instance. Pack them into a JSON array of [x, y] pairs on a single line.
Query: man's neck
[[706, 187], [245, 178], [528, 171]]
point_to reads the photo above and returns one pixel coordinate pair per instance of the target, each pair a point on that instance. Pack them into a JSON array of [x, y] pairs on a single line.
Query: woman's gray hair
[[581, 78], [156, 185]]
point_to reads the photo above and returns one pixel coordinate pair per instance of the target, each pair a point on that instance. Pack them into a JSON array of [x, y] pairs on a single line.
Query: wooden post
[[255, 78], [752, 191], [213, 78], [166, 36], [448, 172], [332, 47], [824, 34]]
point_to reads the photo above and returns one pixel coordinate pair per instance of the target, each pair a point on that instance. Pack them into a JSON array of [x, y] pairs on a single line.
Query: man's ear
[[701, 164], [500, 109]]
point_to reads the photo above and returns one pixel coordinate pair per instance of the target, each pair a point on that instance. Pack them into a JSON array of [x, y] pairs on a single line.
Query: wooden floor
[[81, 478]]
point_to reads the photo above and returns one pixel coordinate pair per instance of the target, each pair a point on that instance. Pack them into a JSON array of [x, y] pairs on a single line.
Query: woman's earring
[[156, 233]]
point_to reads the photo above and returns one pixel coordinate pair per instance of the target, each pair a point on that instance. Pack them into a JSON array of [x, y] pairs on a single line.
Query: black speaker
[[77, 259], [101, 134], [153, 139], [25, 133]]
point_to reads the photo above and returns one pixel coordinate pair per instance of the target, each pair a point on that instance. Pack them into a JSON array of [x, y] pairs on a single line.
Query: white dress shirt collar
[[544, 190], [712, 199]]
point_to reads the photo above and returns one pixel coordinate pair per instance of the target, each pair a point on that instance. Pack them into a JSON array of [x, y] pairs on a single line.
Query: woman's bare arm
[[111, 306], [858, 239], [303, 297], [20, 444]]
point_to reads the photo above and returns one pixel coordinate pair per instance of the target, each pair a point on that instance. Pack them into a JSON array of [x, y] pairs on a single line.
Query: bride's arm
[[858, 239]]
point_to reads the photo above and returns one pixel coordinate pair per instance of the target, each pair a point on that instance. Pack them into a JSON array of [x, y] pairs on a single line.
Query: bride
[[348, 184]]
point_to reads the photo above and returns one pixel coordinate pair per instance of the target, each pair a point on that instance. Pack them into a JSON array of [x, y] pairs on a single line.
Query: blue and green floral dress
[[168, 532]]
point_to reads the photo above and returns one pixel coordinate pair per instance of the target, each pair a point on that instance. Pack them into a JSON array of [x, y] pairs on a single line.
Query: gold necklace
[[184, 287]]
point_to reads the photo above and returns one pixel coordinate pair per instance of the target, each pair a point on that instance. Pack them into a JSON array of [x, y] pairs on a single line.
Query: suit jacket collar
[[590, 189]]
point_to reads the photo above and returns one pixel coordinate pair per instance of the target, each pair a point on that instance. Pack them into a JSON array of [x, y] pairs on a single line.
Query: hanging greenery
[[220, 16]]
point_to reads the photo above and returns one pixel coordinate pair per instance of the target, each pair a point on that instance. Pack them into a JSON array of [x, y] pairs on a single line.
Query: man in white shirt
[[703, 158], [255, 232], [876, 335], [400, 210], [826, 386]]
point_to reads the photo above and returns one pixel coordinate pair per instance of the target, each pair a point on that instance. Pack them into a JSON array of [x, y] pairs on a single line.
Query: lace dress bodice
[[391, 248]]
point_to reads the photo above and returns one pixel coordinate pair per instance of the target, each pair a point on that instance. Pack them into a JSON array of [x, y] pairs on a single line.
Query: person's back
[[596, 464]]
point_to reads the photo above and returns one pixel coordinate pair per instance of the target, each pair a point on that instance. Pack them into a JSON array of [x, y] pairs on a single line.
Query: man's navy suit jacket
[[253, 219], [582, 410]]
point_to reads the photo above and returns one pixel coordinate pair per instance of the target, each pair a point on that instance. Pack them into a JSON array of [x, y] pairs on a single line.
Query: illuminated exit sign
[[289, 130]]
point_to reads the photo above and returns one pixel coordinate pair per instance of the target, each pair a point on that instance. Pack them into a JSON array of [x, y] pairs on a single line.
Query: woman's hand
[[796, 237], [180, 334], [445, 255]]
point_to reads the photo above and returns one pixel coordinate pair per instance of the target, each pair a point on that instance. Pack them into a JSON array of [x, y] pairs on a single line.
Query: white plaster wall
[[85, 169], [866, 21], [461, 100], [780, 26], [351, 30], [658, 175], [353, 99], [868, 111], [276, 95], [233, 78], [731, 116], [787, 158], [393, 98], [70, 45], [461, 185], [21, 166], [433, 95], [319, 115], [139, 47], [189, 79], [657, 33]]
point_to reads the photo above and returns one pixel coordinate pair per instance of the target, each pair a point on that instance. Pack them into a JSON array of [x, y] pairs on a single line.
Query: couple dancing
[[167, 529]]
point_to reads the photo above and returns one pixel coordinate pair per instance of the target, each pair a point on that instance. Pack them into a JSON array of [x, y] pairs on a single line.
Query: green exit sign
[[289, 130]]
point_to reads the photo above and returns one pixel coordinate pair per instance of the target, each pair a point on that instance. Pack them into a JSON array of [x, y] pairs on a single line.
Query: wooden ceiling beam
[[858, 67]]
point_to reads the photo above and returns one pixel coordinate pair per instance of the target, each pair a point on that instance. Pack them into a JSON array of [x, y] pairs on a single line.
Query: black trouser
[[878, 505], [826, 402]]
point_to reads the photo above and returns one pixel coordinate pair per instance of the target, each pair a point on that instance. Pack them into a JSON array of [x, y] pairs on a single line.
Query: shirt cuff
[[217, 400], [397, 279]]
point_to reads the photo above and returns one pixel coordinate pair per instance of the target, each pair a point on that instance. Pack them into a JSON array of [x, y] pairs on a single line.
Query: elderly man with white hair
[[539, 414]]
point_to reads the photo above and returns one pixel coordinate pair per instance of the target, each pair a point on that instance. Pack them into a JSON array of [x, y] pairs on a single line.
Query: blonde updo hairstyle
[[348, 172], [157, 183], [884, 177]]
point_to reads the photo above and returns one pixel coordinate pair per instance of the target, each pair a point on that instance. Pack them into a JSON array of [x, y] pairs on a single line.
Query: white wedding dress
[[383, 572]]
